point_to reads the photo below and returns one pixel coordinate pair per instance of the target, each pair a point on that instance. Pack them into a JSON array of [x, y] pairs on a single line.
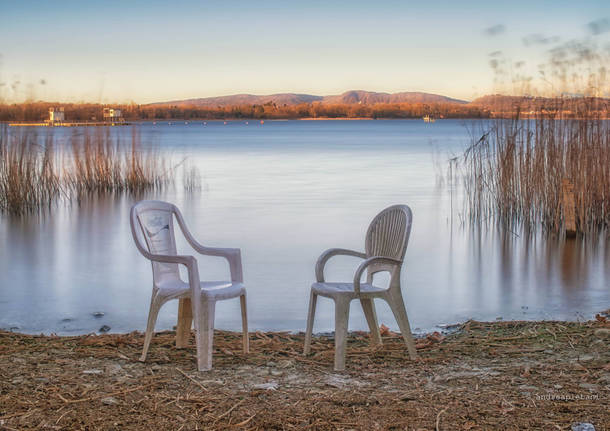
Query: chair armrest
[[375, 260], [191, 265], [324, 257], [168, 258], [232, 255], [164, 258]]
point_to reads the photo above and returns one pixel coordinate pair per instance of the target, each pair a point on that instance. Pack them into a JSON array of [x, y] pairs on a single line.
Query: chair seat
[[216, 290], [332, 289]]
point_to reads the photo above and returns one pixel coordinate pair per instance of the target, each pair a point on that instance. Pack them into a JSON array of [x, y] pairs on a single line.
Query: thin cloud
[[495, 30], [539, 39], [599, 26]]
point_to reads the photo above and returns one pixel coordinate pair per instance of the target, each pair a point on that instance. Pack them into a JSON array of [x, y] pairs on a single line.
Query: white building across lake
[[56, 115], [111, 114]]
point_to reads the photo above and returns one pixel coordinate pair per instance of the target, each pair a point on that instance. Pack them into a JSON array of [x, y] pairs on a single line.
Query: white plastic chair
[[153, 220], [386, 243]]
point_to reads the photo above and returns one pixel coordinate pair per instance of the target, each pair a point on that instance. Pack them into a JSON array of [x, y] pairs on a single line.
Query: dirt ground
[[500, 375]]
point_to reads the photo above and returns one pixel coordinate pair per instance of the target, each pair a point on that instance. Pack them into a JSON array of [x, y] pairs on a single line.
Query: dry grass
[[513, 171], [28, 177], [34, 175], [503, 375]]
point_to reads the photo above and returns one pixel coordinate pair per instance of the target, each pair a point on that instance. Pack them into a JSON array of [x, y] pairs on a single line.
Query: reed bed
[[35, 173], [515, 170]]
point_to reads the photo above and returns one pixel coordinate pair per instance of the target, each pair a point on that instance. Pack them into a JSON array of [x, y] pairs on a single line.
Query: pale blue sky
[[118, 51]]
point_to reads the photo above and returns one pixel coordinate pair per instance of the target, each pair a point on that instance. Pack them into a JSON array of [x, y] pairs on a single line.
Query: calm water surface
[[283, 192]]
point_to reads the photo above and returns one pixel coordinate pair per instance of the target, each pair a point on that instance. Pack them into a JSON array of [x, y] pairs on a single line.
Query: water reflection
[[283, 193]]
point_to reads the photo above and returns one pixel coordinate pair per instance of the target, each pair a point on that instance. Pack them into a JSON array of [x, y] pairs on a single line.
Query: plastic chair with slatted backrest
[[152, 227], [385, 246]]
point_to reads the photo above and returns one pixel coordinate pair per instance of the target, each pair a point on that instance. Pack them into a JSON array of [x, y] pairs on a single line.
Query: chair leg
[[341, 323], [400, 313], [185, 320], [368, 305], [150, 326], [205, 335], [244, 323], [313, 298]]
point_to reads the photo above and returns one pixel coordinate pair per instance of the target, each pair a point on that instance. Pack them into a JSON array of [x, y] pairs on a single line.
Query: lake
[[283, 192]]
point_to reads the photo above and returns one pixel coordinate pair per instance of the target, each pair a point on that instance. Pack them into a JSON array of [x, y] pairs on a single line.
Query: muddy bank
[[500, 375]]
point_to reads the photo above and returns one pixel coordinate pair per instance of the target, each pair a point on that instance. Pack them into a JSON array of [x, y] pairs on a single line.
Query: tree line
[[38, 111]]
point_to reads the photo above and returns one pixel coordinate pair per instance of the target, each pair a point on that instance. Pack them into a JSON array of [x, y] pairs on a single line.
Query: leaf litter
[[484, 375]]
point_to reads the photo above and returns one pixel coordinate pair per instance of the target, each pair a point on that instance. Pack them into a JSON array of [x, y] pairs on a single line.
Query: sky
[[119, 51]]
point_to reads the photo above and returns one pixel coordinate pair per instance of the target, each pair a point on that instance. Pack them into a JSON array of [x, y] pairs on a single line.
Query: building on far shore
[[111, 114], [56, 115]]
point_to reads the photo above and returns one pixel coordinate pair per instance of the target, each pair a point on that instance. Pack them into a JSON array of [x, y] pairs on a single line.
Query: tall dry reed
[[35, 172], [515, 169], [28, 174], [99, 164]]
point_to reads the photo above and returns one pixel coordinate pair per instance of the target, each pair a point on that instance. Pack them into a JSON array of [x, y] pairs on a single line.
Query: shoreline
[[256, 121], [418, 332], [485, 375]]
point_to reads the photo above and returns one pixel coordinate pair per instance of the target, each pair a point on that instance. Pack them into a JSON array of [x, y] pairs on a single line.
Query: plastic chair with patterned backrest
[[152, 227], [385, 246]]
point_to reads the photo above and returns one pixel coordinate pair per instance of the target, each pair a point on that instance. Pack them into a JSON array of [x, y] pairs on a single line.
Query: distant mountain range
[[349, 97]]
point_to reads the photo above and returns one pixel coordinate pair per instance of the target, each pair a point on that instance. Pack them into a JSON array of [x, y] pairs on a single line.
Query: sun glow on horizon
[[148, 52]]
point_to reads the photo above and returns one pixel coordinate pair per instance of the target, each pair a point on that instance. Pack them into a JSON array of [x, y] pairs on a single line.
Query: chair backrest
[[388, 233], [153, 221]]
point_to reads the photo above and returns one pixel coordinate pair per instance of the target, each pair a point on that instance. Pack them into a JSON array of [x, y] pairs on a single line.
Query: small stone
[[104, 328], [98, 314], [114, 369], [582, 426], [270, 386], [277, 373], [558, 386], [110, 401], [93, 372], [271, 364]]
